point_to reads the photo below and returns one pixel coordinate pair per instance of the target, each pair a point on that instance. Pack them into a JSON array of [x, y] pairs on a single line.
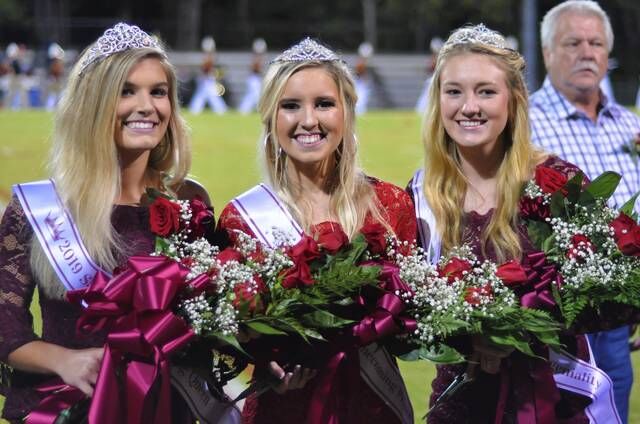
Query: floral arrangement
[[155, 306], [462, 296], [594, 248]]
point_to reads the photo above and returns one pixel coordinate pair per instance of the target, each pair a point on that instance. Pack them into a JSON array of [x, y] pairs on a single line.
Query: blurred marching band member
[[55, 79], [313, 185], [478, 154], [254, 80], [435, 45], [208, 90], [17, 96], [117, 132], [362, 78]]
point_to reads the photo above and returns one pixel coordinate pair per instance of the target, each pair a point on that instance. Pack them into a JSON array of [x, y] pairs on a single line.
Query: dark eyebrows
[[162, 84], [479, 84]]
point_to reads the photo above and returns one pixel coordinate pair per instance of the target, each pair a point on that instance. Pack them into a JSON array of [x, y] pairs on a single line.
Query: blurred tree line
[[395, 25]]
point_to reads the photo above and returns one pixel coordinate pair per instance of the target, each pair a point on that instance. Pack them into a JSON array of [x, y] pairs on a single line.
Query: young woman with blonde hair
[[314, 185], [478, 155], [117, 132]]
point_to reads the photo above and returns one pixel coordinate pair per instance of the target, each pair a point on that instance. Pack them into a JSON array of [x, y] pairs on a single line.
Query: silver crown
[[478, 34], [307, 50], [117, 39]]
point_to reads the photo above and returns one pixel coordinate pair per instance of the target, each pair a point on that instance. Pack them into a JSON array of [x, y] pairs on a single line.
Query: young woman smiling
[[118, 131], [478, 155], [310, 159]]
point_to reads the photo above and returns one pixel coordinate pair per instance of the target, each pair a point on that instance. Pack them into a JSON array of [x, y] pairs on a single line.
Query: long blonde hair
[[445, 184], [84, 160], [352, 196]]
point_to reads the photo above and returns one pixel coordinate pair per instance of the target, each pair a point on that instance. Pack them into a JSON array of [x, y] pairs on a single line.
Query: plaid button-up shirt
[[558, 127]]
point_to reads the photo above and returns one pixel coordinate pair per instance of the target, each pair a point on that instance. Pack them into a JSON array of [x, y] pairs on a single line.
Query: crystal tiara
[[307, 50], [117, 39], [478, 34]]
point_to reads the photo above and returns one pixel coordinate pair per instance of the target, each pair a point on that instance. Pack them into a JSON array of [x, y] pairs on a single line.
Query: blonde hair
[[445, 184], [84, 159], [352, 196]]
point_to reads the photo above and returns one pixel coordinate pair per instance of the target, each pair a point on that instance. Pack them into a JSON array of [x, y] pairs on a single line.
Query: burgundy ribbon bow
[[143, 332], [60, 396], [387, 317], [532, 280], [384, 321]]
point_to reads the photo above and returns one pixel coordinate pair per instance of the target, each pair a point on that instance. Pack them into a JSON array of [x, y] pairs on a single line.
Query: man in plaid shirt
[[572, 118]]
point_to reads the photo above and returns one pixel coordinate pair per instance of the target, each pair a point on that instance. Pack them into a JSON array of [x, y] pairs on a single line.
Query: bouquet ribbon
[[384, 321], [60, 396], [537, 393], [387, 317], [143, 332], [533, 280]]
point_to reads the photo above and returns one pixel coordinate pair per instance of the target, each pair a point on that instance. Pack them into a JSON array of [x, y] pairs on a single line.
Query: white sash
[[429, 237], [569, 372], [578, 376], [57, 233], [266, 215], [264, 212]]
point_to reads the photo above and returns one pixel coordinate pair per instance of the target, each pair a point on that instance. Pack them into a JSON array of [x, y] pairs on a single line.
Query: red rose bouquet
[[594, 248], [462, 296], [141, 309]]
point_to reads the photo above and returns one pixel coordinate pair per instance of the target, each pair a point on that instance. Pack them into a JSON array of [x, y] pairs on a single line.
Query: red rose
[[262, 287], [454, 269], [246, 293], [629, 242], [187, 262], [257, 255], [579, 243], [626, 234], [511, 273], [305, 250], [298, 276], [550, 180], [622, 225], [164, 216], [534, 209], [201, 217], [376, 236], [332, 239], [229, 254], [474, 295]]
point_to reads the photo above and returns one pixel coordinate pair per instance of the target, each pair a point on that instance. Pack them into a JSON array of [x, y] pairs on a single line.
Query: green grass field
[[224, 161]]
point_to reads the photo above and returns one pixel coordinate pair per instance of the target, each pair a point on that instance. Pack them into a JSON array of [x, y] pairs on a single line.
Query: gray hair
[[582, 7]]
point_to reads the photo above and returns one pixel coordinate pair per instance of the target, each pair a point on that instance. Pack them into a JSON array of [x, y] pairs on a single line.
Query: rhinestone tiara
[[117, 39], [307, 50], [478, 34]]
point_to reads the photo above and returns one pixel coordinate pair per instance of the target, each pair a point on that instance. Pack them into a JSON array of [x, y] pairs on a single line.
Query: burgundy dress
[[362, 405], [58, 316], [489, 396]]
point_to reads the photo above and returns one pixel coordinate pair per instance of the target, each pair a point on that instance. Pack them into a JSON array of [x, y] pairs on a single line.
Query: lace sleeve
[[567, 168], [399, 210], [16, 282], [231, 220]]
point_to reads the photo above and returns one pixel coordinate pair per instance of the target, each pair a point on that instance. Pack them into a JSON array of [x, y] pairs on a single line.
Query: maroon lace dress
[[59, 317], [523, 381], [362, 404]]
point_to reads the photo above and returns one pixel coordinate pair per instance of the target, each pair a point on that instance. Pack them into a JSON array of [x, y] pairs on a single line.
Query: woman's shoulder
[[231, 220], [189, 189], [557, 163], [385, 190], [14, 221]]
